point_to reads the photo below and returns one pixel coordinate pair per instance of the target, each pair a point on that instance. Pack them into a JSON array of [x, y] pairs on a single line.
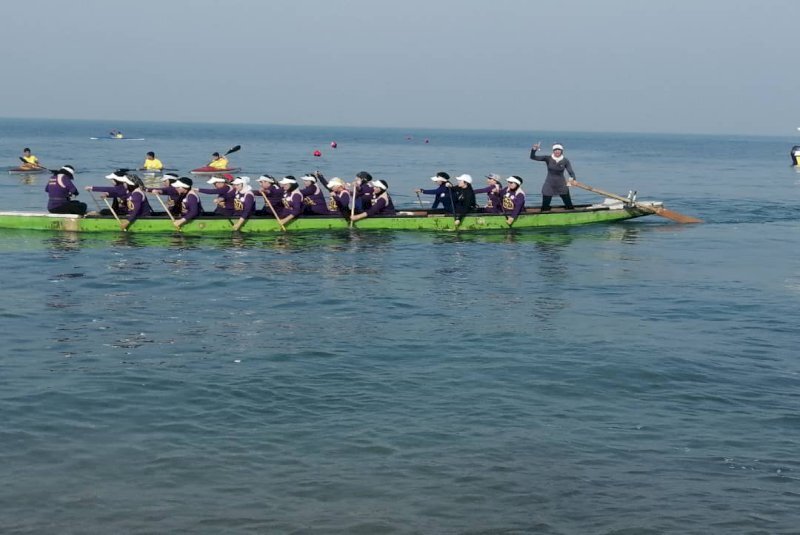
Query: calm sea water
[[640, 377]]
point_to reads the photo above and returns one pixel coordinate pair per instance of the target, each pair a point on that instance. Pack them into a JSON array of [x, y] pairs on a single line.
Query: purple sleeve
[[377, 206], [70, 186], [519, 204], [248, 205], [487, 189], [430, 191], [297, 205], [210, 191], [113, 191], [308, 190]]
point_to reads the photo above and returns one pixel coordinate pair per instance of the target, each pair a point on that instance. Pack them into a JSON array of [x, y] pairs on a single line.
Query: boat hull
[[26, 170], [206, 171], [413, 221]]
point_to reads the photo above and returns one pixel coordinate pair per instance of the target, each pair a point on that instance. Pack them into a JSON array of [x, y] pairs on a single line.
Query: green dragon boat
[[417, 220]]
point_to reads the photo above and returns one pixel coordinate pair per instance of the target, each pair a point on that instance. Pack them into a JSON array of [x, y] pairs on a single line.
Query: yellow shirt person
[[29, 160], [218, 162], [151, 163]]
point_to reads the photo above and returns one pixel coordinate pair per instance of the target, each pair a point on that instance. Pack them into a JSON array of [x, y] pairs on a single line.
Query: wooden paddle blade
[[675, 216], [233, 149]]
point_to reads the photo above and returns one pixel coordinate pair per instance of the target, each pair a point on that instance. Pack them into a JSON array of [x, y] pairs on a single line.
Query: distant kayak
[[26, 170], [117, 138], [212, 171]]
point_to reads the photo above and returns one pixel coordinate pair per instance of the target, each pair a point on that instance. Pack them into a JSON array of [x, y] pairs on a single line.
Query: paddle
[[353, 201], [452, 204], [36, 165], [233, 149], [272, 209], [167, 211], [114, 214], [657, 210], [95, 200], [420, 201]]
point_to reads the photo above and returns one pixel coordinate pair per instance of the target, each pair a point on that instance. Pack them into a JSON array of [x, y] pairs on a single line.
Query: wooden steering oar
[[272, 209], [353, 205], [657, 210]]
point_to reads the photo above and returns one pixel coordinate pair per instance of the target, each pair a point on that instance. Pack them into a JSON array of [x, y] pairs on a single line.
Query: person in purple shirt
[[118, 193], [513, 199], [244, 203], [441, 193], [364, 191], [494, 193], [271, 192], [225, 194], [60, 190], [382, 204], [173, 201], [292, 202], [137, 203], [555, 183], [340, 197], [191, 208], [313, 198]]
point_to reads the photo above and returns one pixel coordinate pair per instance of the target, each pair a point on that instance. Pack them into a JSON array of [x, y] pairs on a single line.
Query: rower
[[513, 199], [292, 201], [441, 193], [363, 191], [118, 193], [218, 162], [244, 202], [494, 193], [29, 161], [463, 198], [173, 202], [60, 190], [339, 203], [190, 206], [383, 203], [137, 203], [151, 163], [270, 190], [313, 199], [116, 134], [794, 154], [225, 194]]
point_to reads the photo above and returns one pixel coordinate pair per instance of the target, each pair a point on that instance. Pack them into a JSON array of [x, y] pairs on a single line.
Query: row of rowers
[[284, 199]]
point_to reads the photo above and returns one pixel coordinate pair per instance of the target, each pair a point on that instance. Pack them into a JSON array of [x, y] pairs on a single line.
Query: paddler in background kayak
[[60, 190], [118, 193], [189, 201], [151, 163], [382, 205], [116, 134], [29, 161], [173, 201], [225, 194], [218, 162], [244, 202]]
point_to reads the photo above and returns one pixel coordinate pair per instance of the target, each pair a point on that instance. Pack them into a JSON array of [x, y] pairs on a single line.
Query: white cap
[[379, 184], [266, 178], [558, 146], [67, 169], [120, 177], [515, 180], [464, 178], [169, 176], [335, 181], [179, 184], [310, 178], [438, 179], [215, 180], [241, 180], [286, 180]]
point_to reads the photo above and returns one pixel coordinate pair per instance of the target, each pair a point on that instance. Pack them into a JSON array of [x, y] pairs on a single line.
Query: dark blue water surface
[[640, 377]]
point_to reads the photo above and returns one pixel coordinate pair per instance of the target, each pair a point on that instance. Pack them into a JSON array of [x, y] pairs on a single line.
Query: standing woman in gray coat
[[555, 183]]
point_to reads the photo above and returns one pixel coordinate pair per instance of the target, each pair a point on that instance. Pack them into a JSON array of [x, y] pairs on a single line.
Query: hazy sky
[[690, 66]]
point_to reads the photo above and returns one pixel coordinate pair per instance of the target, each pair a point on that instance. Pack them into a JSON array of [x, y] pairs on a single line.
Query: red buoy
[[317, 153], [333, 145]]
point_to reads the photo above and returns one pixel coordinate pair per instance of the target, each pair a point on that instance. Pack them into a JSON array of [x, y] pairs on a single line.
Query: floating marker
[[334, 144], [317, 153]]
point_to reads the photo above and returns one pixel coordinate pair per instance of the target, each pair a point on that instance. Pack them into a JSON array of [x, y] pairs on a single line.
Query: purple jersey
[[340, 202], [244, 204], [291, 204], [137, 205], [513, 202], [495, 198], [60, 190], [275, 195], [225, 194], [190, 206], [314, 200], [382, 205], [118, 194]]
